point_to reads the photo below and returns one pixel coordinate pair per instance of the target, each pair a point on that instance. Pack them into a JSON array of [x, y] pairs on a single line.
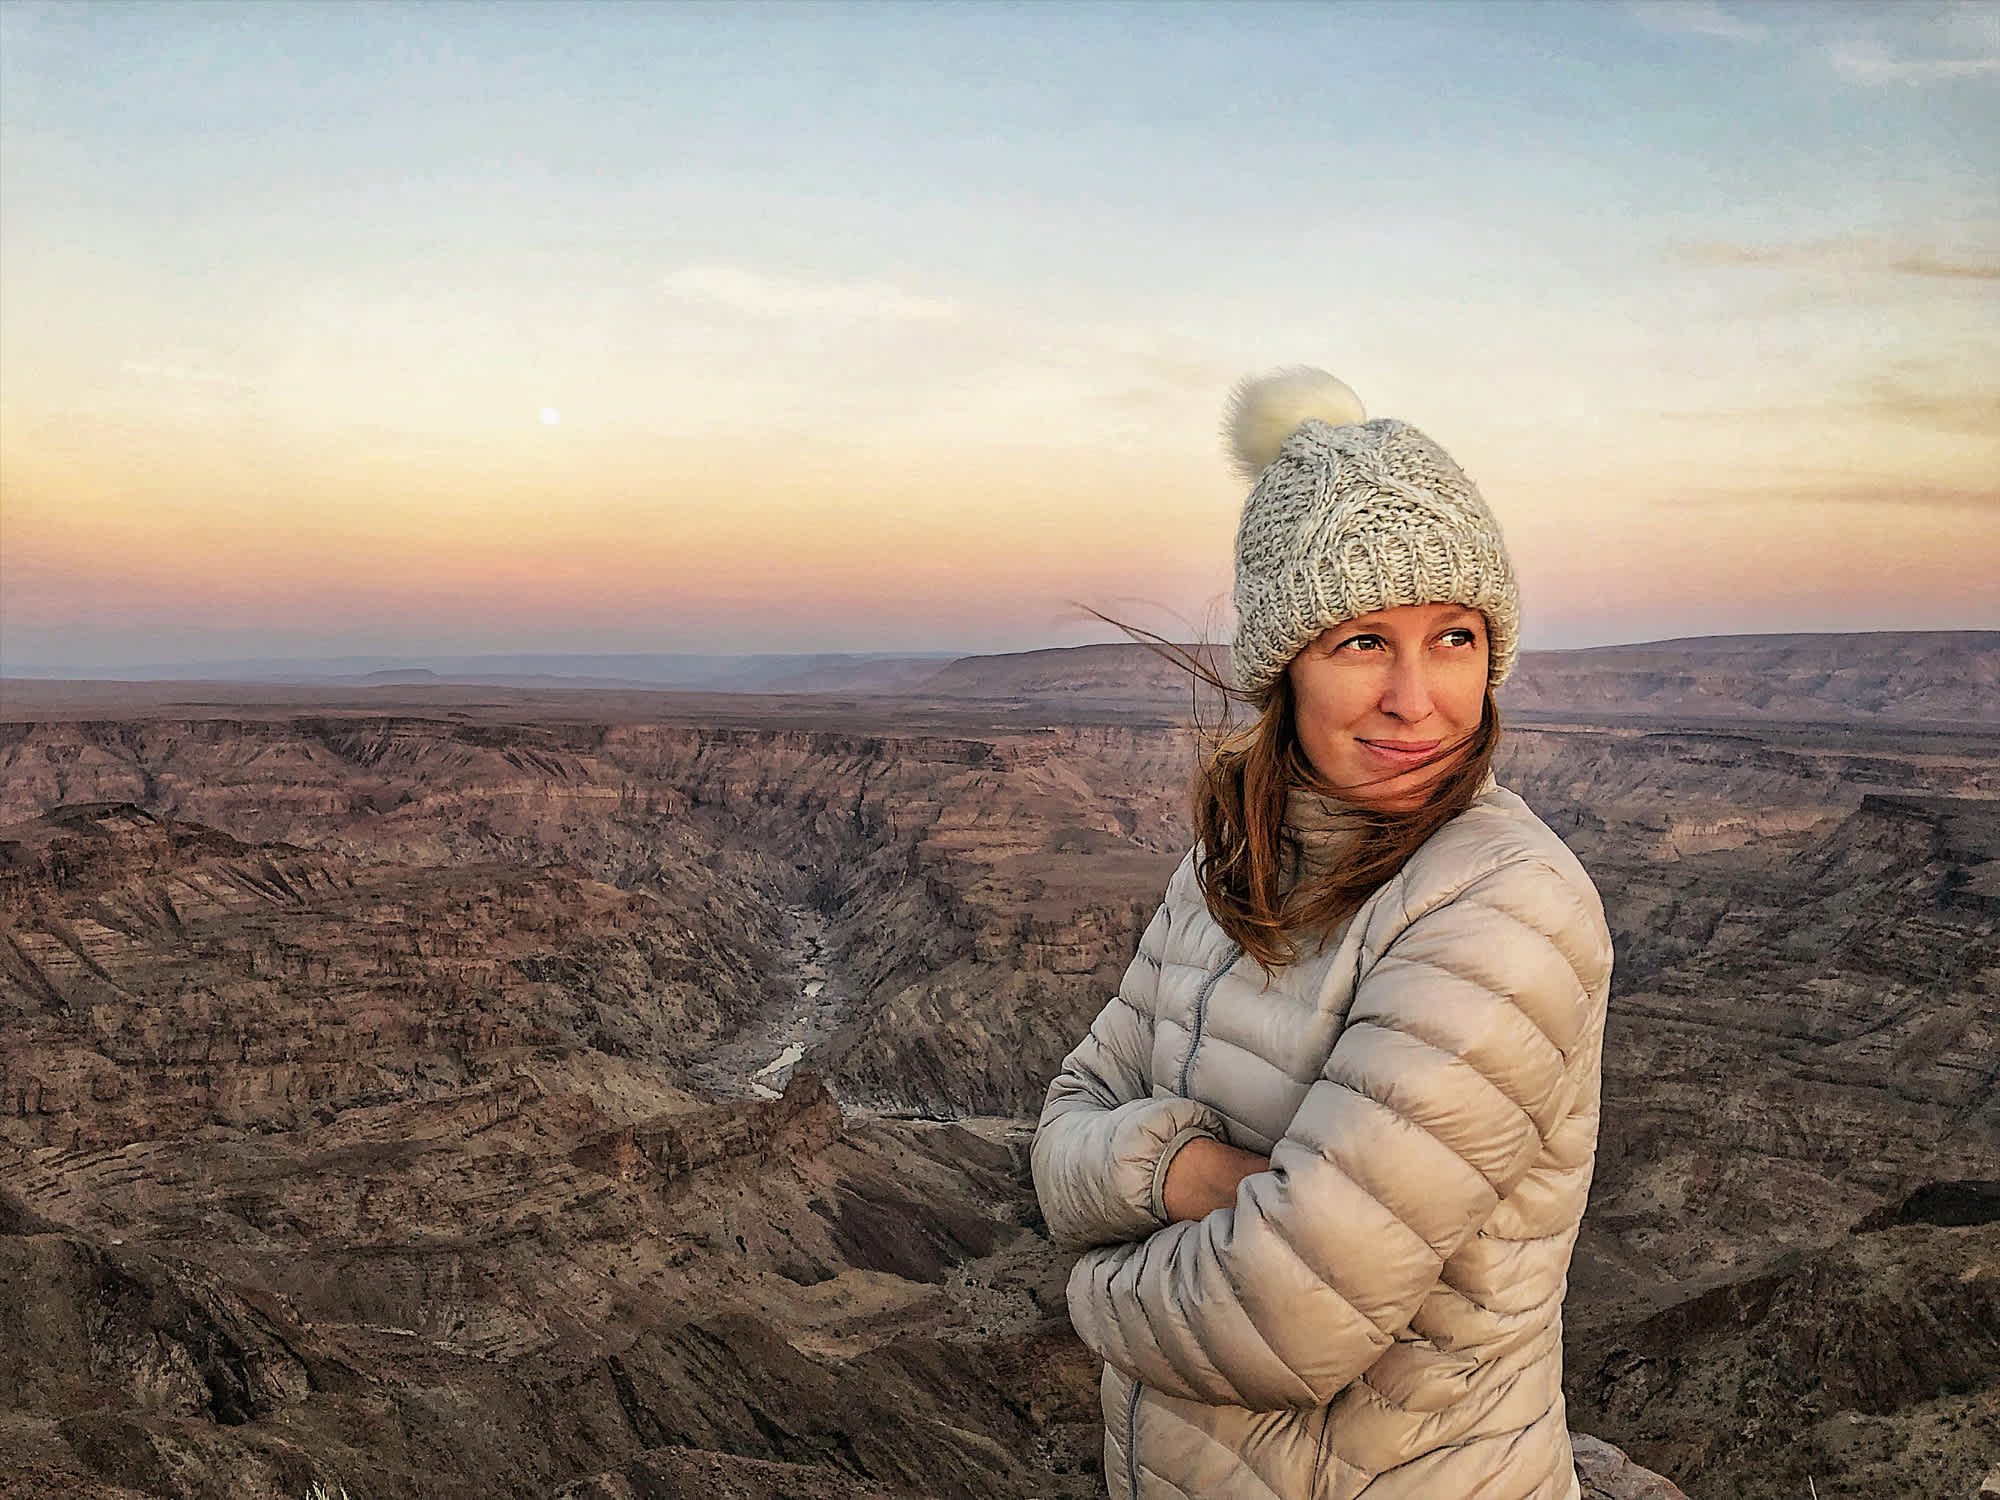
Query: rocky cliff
[[1864, 1366]]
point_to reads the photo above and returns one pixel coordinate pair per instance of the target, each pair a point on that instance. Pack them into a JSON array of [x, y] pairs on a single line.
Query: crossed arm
[[1107, 1150]]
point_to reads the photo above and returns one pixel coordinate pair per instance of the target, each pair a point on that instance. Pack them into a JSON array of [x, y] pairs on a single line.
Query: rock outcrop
[[1872, 1364], [1608, 1473]]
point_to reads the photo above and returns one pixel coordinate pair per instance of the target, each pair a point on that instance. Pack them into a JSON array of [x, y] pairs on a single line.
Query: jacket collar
[[1320, 830]]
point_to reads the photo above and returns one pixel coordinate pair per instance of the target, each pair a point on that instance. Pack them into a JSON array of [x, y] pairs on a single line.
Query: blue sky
[[895, 326]]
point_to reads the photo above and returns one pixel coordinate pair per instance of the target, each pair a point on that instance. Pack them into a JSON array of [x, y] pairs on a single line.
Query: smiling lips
[[1401, 752]]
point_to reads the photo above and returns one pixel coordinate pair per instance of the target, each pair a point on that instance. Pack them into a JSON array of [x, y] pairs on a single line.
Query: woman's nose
[[1407, 693]]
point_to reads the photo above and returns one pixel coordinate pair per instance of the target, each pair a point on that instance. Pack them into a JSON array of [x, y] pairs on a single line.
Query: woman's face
[[1377, 696]]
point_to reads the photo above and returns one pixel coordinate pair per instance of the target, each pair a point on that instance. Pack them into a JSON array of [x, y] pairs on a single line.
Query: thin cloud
[[1696, 18], [1954, 42], [1874, 64], [1717, 253], [1853, 492], [777, 295], [1953, 411], [1912, 395], [1843, 255], [1948, 270]]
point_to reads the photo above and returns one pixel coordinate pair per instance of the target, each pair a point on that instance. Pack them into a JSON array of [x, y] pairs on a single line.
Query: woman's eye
[[1459, 638], [1360, 643]]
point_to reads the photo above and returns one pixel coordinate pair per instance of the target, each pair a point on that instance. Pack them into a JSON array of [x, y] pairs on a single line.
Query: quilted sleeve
[[1452, 1070], [1104, 1143]]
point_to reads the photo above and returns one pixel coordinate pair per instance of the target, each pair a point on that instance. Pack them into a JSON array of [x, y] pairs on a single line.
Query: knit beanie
[[1347, 516]]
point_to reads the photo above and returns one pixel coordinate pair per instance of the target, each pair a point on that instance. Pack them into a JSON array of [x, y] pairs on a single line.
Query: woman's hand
[[1203, 1175]]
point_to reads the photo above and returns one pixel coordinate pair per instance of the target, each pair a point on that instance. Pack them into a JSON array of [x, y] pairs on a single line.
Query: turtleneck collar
[[1321, 827]]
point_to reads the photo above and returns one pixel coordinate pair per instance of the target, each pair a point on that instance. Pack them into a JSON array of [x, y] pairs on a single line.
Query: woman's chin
[[1403, 793]]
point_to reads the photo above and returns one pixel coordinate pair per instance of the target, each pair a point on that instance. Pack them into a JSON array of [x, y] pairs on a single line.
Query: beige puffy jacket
[[1380, 1313]]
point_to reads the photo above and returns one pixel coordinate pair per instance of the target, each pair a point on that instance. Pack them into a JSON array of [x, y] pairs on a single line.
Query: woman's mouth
[[1401, 752]]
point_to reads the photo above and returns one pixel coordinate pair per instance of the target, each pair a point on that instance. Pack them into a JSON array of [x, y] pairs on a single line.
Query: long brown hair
[[1243, 786]]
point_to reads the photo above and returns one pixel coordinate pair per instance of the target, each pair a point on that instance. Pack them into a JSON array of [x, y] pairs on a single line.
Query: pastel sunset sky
[[334, 328]]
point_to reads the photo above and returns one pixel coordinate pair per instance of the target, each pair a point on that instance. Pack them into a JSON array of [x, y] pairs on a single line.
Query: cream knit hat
[[1348, 516]]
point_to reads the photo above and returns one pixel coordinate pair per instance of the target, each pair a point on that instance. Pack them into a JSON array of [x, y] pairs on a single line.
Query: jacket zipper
[[1201, 1017], [1132, 1440]]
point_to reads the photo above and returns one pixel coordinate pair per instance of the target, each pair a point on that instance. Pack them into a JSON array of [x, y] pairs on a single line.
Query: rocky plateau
[[466, 1091]]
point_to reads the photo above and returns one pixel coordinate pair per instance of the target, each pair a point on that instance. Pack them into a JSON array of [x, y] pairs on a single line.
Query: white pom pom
[[1264, 410]]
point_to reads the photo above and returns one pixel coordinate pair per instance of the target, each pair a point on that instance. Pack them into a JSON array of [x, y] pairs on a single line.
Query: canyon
[[464, 1090]]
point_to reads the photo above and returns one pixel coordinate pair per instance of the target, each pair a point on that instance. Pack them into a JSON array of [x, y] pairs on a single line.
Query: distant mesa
[[1122, 673], [1903, 676], [401, 675], [1937, 677]]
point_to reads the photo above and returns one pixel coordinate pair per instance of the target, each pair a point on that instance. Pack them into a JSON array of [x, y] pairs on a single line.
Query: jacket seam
[[1132, 1439], [1539, 929], [1201, 1016], [1418, 1125], [1434, 900], [1582, 995], [1324, 1446]]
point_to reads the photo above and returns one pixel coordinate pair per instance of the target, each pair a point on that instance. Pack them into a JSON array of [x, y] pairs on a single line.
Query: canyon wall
[[370, 1063]]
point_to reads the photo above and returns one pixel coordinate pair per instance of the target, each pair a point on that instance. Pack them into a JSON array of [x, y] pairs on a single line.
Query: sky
[[343, 328]]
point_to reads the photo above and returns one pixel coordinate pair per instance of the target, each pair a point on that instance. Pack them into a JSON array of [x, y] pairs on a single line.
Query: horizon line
[[101, 672]]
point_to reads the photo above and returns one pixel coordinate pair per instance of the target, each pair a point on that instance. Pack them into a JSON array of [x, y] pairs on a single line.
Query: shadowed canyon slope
[[430, 1100]]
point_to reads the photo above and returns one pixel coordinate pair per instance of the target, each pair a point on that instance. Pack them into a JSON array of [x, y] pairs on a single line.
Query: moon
[[550, 416]]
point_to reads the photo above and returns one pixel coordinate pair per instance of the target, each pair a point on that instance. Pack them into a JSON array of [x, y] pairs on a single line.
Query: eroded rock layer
[[399, 1101]]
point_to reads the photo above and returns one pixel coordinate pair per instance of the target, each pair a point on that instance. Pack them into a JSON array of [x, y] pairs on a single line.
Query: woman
[[1328, 1148]]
